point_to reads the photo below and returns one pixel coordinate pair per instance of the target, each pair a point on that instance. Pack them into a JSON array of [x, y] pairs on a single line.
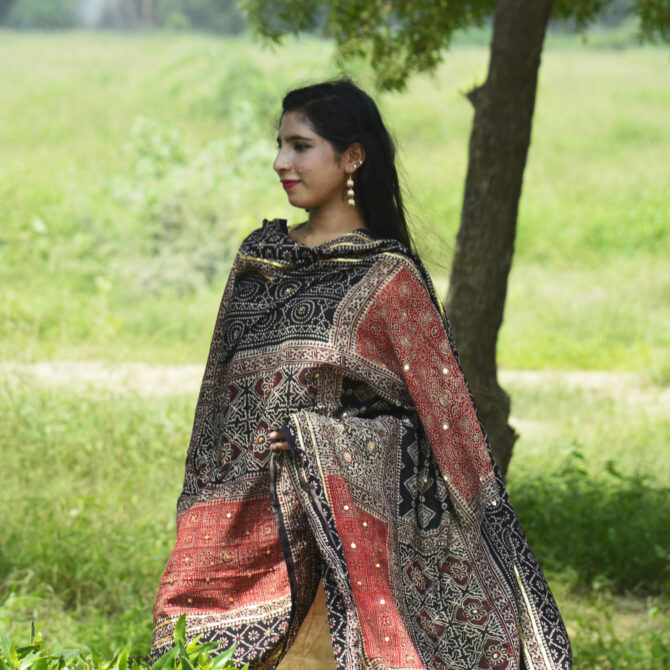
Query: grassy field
[[91, 480], [131, 167]]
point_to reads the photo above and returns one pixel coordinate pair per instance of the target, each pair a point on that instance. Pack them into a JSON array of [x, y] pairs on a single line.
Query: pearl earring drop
[[350, 187]]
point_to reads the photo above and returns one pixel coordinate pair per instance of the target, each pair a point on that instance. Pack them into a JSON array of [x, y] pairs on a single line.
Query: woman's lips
[[289, 183]]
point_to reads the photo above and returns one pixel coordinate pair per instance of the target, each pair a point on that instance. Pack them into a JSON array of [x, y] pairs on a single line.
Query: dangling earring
[[350, 192], [350, 187]]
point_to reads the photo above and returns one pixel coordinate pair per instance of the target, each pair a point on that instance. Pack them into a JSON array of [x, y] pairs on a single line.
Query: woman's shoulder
[[406, 259], [410, 268]]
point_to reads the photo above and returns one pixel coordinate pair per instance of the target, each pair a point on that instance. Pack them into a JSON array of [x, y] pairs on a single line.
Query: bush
[[221, 17], [177, 21], [187, 210], [45, 14], [609, 532], [601, 646]]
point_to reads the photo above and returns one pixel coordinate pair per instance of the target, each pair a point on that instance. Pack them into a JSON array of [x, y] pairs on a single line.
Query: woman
[[335, 439]]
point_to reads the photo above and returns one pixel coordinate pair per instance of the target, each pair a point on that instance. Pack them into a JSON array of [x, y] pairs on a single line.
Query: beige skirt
[[313, 648]]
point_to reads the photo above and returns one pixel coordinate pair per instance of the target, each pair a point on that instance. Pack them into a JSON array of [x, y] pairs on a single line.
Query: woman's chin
[[297, 201]]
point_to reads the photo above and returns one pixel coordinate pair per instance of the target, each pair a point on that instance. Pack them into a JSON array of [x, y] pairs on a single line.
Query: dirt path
[[629, 387], [157, 379], [142, 378]]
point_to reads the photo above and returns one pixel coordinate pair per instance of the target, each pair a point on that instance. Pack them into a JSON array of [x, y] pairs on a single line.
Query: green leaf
[[167, 660], [13, 656], [184, 657], [180, 629], [70, 654], [29, 658], [194, 645], [4, 646], [205, 651], [220, 661]]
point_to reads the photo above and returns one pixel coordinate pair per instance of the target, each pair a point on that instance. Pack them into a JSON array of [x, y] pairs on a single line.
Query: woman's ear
[[354, 156]]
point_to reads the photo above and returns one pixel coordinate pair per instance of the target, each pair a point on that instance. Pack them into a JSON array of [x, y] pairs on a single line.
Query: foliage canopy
[[403, 37]]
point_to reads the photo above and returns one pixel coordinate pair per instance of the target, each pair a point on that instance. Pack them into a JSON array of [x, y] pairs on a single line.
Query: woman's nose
[[281, 161]]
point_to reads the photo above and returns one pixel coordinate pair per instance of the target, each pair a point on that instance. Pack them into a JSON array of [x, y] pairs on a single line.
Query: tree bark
[[499, 143], [129, 12], [148, 13]]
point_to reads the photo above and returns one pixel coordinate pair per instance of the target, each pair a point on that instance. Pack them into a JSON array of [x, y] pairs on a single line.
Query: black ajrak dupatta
[[389, 493]]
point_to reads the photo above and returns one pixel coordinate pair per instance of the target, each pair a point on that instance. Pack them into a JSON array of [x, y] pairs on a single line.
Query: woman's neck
[[329, 222]]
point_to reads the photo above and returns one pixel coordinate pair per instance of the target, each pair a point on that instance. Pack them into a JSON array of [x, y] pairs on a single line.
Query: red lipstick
[[289, 183]]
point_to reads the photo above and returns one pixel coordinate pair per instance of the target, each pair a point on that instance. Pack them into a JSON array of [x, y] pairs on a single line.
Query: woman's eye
[[301, 147]]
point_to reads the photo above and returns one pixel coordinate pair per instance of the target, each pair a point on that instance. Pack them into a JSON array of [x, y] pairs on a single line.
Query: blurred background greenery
[[222, 16], [131, 166]]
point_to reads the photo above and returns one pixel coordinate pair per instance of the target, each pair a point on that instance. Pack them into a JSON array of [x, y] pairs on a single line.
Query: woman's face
[[308, 166]]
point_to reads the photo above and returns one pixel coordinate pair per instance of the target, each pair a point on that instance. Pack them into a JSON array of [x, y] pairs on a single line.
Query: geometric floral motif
[[474, 611], [457, 569], [430, 628], [418, 577], [496, 656]]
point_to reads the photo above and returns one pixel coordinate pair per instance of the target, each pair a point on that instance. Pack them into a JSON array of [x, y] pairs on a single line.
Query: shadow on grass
[[608, 531]]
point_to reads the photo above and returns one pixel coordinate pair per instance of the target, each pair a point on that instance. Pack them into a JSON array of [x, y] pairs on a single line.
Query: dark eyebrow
[[296, 138]]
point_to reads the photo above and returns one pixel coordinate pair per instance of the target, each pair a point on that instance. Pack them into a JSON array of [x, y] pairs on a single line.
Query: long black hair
[[342, 113]]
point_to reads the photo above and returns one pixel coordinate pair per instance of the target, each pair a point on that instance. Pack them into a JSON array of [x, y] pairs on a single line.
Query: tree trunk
[[498, 149], [129, 12], [148, 13]]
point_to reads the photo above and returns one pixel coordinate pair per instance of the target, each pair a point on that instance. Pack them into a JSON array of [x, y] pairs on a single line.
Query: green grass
[[591, 485], [90, 480], [133, 165], [89, 484]]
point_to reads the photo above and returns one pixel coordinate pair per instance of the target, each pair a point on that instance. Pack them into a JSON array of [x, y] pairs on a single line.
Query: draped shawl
[[389, 493]]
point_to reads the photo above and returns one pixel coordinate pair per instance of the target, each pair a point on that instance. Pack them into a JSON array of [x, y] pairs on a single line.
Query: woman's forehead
[[296, 123]]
